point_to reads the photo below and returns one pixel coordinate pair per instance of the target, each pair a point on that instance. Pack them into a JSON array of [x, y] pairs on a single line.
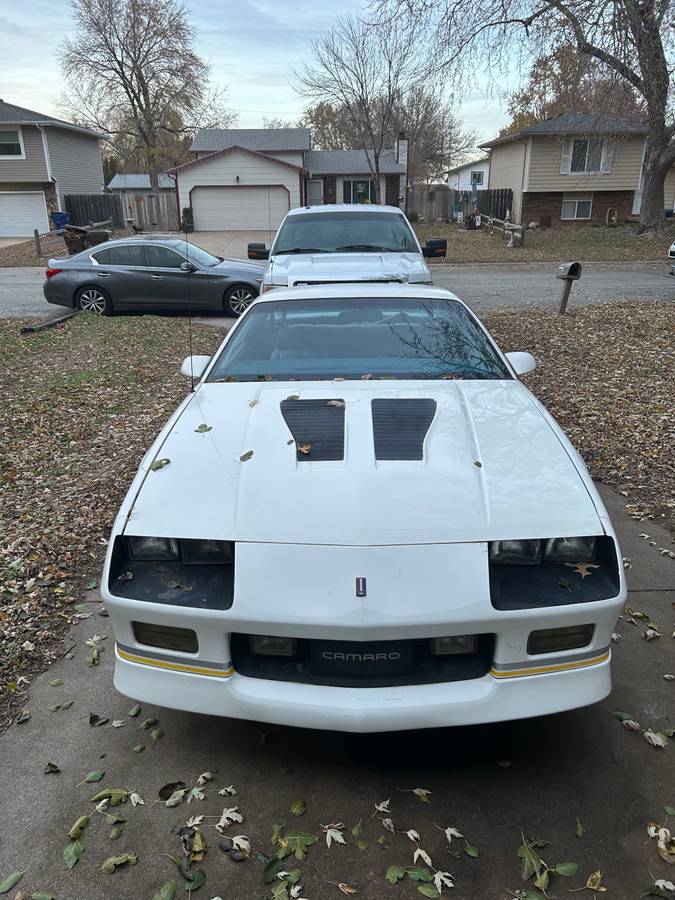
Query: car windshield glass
[[345, 232], [198, 256], [352, 338]]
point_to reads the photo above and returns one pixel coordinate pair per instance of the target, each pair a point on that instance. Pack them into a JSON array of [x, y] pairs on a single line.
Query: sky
[[251, 45]]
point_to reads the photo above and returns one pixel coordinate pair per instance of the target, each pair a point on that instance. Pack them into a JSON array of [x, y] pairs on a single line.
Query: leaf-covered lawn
[[585, 243], [83, 402]]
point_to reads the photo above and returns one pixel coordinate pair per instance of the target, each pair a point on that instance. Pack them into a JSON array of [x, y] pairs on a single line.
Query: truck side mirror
[[258, 251], [435, 248]]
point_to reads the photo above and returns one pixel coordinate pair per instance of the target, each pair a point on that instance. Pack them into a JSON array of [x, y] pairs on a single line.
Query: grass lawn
[[584, 243], [83, 402]]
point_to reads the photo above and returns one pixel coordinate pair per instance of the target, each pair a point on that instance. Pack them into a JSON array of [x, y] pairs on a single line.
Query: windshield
[[198, 256], [344, 232], [352, 338]]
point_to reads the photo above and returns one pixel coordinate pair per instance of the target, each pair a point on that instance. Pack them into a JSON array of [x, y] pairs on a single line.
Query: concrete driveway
[[8, 241], [231, 244], [541, 776]]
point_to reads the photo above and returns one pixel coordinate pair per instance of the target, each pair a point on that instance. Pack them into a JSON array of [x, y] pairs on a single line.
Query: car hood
[[289, 269], [255, 270], [494, 467]]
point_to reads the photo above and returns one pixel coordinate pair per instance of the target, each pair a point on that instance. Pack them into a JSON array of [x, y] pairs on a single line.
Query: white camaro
[[361, 520]]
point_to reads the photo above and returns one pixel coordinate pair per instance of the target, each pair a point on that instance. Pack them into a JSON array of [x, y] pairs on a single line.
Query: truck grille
[[363, 663]]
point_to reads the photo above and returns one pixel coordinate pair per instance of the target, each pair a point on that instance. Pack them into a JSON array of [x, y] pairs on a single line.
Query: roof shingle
[[350, 162], [208, 140], [574, 123], [17, 115]]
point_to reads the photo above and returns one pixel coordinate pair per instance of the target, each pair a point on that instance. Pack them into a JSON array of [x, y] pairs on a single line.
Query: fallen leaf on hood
[[339, 404], [304, 448], [333, 832], [246, 456], [159, 464], [203, 428], [253, 403]]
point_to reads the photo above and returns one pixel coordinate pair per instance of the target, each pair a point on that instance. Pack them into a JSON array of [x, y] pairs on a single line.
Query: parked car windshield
[[198, 256], [354, 338], [344, 232]]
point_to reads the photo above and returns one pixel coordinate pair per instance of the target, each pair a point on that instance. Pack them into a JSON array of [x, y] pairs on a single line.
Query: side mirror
[[258, 251], [188, 267], [194, 366], [522, 363], [435, 248]]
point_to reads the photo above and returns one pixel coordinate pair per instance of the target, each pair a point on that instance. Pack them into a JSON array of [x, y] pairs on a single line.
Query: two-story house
[[470, 175], [41, 160], [570, 168], [248, 178]]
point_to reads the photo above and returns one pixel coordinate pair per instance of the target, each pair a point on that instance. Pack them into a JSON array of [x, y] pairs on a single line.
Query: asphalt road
[[581, 765], [481, 286]]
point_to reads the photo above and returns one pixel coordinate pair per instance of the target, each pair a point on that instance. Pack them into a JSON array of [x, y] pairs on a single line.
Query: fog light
[[272, 646], [551, 640], [151, 548], [166, 637], [458, 643]]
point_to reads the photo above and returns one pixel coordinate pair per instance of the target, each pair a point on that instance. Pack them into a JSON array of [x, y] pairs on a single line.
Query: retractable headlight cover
[[570, 549], [152, 548], [516, 553]]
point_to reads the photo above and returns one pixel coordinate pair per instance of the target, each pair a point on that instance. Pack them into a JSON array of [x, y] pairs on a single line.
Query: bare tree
[[278, 122], [365, 72], [631, 39], [133, 74], [330, 127]]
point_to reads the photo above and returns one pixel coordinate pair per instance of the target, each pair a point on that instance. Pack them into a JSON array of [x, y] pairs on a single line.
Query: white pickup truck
[[345, 243]]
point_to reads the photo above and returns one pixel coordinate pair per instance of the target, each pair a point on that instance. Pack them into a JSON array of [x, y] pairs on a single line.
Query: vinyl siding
[[544, 174], [76, 161], [669, 190], [251, 170], [461, 181], [294, 157], [506, 171], [33, 167]]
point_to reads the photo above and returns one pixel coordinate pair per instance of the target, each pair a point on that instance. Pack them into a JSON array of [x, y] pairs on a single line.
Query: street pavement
[[491, 782], [481, 286]]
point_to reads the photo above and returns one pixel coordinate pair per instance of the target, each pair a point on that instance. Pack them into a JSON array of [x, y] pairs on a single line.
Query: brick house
[[572, 168]]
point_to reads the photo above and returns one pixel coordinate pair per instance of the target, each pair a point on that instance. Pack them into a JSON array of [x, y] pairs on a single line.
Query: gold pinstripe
[[178, 667], [552, 667]]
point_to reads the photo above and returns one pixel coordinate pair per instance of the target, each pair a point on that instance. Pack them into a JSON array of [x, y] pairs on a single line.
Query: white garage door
[[20, 214], [239, 207]]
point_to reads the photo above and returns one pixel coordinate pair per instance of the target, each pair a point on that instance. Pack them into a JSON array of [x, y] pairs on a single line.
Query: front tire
[[238, 298], [95, 300]]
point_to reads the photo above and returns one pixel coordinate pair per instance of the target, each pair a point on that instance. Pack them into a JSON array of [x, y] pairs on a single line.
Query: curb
[[49, 323]]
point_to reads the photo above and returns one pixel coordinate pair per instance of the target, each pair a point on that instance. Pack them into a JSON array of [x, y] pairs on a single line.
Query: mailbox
[[570, 271], [258, 251]]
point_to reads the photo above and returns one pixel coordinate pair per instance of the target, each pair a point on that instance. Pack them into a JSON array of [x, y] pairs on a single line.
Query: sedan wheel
[[91, 299], [238, 299]]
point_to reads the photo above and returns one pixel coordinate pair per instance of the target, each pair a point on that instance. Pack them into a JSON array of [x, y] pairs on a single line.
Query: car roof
[[356, 208], [358, 290]]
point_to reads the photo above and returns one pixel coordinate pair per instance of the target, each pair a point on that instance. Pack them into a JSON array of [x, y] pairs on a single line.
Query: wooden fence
[[150, 211], [428, 206], [84, 209]]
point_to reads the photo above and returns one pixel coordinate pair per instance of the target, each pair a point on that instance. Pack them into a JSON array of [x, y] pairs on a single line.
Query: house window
[[361, 190], [576, 206], [11, 143], [586, 156], [476, 178]]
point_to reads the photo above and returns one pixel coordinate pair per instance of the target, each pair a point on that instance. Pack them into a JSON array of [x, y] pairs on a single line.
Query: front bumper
[[474, 702]]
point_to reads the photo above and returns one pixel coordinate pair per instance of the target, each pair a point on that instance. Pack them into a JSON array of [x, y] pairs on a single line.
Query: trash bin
[[60, 220]]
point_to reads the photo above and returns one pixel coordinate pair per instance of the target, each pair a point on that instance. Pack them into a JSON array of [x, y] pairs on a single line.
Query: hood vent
[[400, 426], [318, 427]]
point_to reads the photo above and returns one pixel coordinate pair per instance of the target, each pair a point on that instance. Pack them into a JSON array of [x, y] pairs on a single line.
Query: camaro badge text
[[360, 587]]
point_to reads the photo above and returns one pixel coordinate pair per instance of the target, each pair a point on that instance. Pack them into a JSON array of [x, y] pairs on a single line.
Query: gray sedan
[[152, 274]]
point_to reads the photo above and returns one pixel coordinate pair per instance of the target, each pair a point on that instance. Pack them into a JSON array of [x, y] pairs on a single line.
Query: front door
[[172, 288], [315, 192]]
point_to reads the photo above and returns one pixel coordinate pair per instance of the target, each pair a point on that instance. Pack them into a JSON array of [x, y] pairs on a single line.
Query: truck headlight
[[517, 553], [152, 548], [571, 549]]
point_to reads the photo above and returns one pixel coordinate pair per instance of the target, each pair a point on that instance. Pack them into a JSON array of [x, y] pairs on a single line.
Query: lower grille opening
[[363, 663]]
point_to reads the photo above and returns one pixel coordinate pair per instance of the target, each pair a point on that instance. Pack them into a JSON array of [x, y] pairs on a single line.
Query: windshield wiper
[[301, 250], [374, 247]]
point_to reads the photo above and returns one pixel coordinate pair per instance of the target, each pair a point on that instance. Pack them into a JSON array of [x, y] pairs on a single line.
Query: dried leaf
[[134, 711], [176, 797], [304, 448], [246, 456], [655, 739], [114, 862], [159, 464], [594, 882], [298, 808], [135, 799], [333, 833], [583, 568], [228, 817], [347, 888]]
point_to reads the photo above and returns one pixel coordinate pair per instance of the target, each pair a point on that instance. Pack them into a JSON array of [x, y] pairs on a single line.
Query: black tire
[[94, 299], [238, 298]]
